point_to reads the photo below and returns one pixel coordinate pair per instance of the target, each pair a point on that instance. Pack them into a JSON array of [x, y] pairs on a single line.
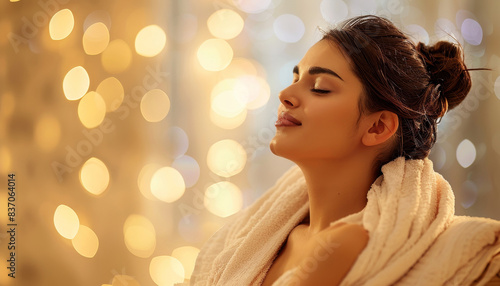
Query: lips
[[285, 119]]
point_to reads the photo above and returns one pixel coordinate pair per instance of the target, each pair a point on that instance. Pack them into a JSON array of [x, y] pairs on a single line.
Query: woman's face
[[319, 110]]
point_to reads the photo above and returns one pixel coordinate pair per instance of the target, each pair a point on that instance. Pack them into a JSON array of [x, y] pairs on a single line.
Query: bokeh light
[[333, 11], [289, 28], [445, 30], [150, 41], [47, 132], [215, 54], [112, 92], [95, 39], [226, 158], [472, 32], [155, 105], [97, 16], [61, 24], [187, 256], [223, 199], [167, 184], [252, 6], [179, 141], [166, 270], [228, 122], [66, 221], [468, 194], [362, 7], [124, 280], [94, 176], [225, 24], [91, 110], [466, 153], [227, 104], [139, 235], [86, 242], [418, 33], [144, 180], [253, 91], [189, 169], [76, 83], [117, 57]]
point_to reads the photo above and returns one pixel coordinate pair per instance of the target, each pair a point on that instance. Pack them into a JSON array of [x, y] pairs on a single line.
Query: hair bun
[[448, 75]]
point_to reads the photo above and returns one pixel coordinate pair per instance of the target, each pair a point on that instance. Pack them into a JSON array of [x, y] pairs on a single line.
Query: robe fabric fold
[[415, 238]]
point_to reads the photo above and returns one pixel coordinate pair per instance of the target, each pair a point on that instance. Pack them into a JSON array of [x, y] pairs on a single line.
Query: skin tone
[[322, 131]]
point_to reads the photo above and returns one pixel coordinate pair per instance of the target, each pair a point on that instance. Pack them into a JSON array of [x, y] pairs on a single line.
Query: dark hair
[[418, 83]]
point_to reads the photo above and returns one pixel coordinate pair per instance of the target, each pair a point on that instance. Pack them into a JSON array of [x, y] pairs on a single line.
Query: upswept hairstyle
[[419, 83]]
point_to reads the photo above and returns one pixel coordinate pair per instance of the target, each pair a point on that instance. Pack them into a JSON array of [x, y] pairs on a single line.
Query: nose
[[288, 98]]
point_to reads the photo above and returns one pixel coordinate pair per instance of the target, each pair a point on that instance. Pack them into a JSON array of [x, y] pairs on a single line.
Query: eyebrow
[[318, 70]]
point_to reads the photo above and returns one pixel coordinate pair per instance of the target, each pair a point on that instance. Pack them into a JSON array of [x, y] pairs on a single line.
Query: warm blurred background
[[135, 128]]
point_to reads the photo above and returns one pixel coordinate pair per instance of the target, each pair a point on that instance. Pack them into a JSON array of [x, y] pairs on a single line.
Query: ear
[[382, 125]]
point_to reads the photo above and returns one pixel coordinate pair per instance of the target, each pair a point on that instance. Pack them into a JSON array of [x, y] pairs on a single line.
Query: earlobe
[[383, 125]]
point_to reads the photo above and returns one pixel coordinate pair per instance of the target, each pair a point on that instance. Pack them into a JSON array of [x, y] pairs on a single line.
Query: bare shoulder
[[334, 252]]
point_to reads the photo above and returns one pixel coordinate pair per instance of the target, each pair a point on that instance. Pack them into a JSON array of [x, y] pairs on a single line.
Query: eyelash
[[321, 91]]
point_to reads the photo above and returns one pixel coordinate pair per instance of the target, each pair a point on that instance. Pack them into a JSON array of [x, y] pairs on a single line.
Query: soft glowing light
[[226, 158], [91, 110], [167, 184], [225, 24], [468, 194], [155, 105], [215, 54], [124, 280], [66, 221], [362, 7], [47, 132], [187, 256], [140, 235], [144, 180], [252, 6], [253, 91], [97, 16], [241, 66], [333, 11], [445, 30], [95, 39], [76, 83], [223, 199], [497, 87], [117, 57], [112, 92], [289, 28], [150, 41], [61, 24], [94, 176], [189, 169], [179, 141], [166, 270], [228, 122], [227, 104], [85, 242], [418, 33], [472, 32], [438, 157], [466, 153]]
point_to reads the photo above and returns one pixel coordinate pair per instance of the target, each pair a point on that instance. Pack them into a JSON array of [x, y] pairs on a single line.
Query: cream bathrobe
[[415, 238]]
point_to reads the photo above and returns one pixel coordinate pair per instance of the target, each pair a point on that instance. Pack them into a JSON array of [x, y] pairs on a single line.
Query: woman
[[364, 206]]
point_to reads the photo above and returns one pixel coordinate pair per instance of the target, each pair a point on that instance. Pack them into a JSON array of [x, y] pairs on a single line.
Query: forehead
[[326, 54]]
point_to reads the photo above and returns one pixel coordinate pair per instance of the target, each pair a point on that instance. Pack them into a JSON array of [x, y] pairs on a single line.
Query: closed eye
[[322, 91]]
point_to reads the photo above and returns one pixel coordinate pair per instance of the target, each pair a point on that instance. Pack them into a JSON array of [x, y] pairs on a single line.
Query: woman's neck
[[336, 189]]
